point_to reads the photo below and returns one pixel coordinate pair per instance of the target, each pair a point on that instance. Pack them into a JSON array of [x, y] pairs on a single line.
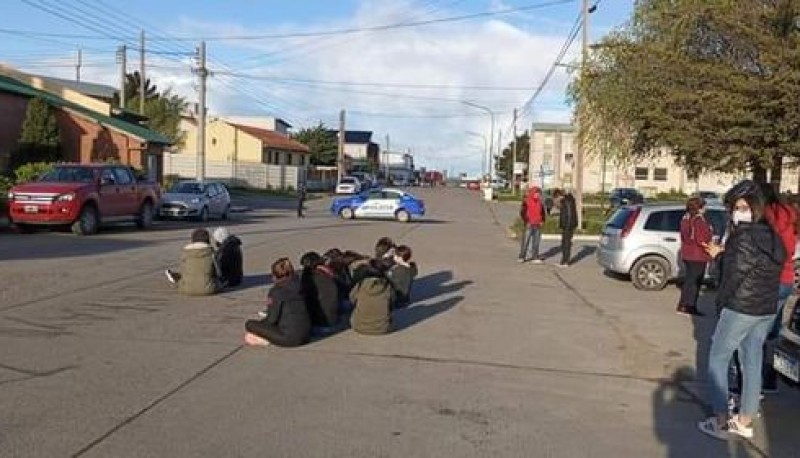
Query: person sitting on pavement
[[402, 275], [334, 259], [199, 273], [372, 296], [228, 255], [286, 323], [320, 291], [384, 251]]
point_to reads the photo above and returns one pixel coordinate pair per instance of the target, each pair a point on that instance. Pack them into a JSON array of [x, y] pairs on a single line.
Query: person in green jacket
[[372, 296], [199, 274]]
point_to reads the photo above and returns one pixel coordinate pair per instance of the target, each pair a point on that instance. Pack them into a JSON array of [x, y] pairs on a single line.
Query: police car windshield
[[187, 188]]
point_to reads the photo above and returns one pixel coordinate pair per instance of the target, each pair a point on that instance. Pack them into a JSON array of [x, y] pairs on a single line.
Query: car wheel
[[88, 221], [145, 219], [225, 212], [346, 213], [650, 273], [20, 228], [203, 218], [403, 216]]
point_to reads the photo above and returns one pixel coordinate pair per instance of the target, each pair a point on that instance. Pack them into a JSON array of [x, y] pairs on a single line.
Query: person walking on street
[[567, 222], [301, 199], [696, 233], [533, 215], [752, 261]]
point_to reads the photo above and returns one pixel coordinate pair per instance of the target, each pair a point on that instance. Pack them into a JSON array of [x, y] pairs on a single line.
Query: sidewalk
[[505, 213]]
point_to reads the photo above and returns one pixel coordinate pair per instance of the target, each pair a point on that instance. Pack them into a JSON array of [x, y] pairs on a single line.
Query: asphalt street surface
[[100, 357]]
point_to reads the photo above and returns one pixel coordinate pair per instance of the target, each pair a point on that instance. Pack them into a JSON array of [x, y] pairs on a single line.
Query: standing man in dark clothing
[[567, 222], [301, 199]]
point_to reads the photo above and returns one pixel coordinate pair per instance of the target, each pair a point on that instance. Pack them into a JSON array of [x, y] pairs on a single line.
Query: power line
[[314, 33]]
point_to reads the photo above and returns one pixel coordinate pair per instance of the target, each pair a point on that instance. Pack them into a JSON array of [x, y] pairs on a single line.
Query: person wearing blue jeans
[[533, 214], [752, 261], [531, 240]]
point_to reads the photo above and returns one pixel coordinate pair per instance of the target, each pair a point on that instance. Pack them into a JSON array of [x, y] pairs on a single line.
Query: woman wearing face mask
[[752, 261]]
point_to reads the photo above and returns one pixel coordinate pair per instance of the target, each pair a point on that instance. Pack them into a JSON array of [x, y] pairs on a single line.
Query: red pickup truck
[[83, 196]]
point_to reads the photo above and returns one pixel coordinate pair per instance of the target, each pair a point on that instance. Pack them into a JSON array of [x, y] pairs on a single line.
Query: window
[[642, 173], [275, 157], [568, 157], [214, 141], [664, 221], [391, 195], [122, 175], [375, 195], [107, 177], [289, 157], [660, 174], [211, 190]]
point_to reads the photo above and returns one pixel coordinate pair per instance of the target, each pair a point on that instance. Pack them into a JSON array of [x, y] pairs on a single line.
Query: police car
[[379, 203]]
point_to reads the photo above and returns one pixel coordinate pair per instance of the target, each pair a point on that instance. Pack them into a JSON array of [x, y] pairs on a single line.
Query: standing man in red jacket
[[533, 214], [696, 233]]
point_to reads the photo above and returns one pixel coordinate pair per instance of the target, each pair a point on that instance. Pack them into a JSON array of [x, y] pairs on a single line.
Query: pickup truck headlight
[[10, 195], [65, 197]]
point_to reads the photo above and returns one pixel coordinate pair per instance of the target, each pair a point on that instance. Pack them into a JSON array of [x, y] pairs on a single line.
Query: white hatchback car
[[348, 185]]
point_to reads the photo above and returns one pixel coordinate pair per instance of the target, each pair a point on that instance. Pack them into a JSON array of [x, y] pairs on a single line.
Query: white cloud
[[489, 52]]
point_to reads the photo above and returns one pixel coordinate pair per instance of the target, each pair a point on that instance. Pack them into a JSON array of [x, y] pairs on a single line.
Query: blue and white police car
[[379, 203]]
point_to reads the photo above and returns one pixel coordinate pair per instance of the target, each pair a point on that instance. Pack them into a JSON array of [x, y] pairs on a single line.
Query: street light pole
[[491, 130], [485, 150], [580, 144]]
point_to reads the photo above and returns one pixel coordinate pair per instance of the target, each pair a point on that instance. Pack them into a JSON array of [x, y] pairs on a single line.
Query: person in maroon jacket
[[533, 214], [696, 233]]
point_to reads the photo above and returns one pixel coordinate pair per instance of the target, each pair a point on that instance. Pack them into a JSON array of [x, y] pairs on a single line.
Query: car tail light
[[632, 216]]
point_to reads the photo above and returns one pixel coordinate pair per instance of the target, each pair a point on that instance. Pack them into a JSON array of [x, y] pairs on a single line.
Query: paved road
[[99, 357]]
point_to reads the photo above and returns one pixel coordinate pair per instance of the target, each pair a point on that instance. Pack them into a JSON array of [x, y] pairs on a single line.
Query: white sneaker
[[736, 427], [170, 276], [538, 261]]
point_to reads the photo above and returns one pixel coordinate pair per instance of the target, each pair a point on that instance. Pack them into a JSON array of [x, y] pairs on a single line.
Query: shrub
[[5, 184], [170, 180], [32, 171]]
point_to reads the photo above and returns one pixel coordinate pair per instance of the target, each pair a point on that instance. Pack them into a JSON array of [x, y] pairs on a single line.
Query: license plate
[[31, 209], [787, 366]]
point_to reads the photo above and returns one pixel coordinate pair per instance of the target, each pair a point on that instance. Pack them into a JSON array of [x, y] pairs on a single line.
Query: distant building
[[362, 152], [552, 164]]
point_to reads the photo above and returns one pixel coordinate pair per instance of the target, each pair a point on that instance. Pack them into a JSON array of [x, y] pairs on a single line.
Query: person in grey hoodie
[[401, 275], [199, 273]]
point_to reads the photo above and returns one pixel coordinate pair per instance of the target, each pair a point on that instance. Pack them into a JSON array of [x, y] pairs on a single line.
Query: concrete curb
[[577, 238]]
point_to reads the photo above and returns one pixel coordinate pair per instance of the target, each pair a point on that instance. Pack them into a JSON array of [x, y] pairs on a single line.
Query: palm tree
[[133, 83]]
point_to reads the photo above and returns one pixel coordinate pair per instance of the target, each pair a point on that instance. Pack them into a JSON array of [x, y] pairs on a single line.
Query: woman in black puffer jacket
[[752, 260]]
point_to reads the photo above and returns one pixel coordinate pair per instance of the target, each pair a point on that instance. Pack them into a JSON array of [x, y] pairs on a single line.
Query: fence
[[237, 174]]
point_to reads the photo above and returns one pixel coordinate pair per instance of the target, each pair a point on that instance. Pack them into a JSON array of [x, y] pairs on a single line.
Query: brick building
[[88, 134]]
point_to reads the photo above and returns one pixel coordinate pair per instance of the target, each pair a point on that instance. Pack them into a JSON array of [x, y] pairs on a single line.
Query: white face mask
[[742, 217]]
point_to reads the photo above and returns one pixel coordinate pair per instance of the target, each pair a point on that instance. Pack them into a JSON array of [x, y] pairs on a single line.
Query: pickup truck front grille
[[36, 198]]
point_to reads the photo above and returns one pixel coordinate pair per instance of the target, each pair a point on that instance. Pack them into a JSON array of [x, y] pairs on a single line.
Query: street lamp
[[485, 149], [491, 131]]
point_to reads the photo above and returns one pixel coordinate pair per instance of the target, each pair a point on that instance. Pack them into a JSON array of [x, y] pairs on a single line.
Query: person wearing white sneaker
[[752, 261]]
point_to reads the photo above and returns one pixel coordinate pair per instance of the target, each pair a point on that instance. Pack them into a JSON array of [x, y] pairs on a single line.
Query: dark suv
[[625, 196]]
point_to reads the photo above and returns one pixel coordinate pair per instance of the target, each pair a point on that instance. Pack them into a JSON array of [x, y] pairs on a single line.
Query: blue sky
[[260, 77]]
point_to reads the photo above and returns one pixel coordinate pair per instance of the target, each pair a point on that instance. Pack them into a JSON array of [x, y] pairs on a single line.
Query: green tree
[[133, 88], [323, 145], [163, 114], [39, 140], [716, 82], [505, 165]]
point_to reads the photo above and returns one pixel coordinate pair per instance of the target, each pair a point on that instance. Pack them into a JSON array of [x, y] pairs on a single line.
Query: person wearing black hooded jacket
[[752, 261], [228, 256]]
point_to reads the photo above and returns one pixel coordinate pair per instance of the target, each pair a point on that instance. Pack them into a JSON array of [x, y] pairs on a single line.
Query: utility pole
[[122, 58], [386, 160], [580, 146], [78, 66], [514, 155], [141, 73], [340, 158], [202, 72]]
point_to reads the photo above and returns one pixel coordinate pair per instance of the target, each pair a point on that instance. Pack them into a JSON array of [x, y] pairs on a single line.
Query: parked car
[[83, 196], [197, 200], [625, 196], [710, 197], [644, 241], [499, 184], [367, 181], [348, 185], [379, 203], [786, 358]]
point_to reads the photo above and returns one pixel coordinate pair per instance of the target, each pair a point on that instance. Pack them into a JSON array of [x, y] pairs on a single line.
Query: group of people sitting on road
[[208, 267], [328, 289], [755, 254]]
